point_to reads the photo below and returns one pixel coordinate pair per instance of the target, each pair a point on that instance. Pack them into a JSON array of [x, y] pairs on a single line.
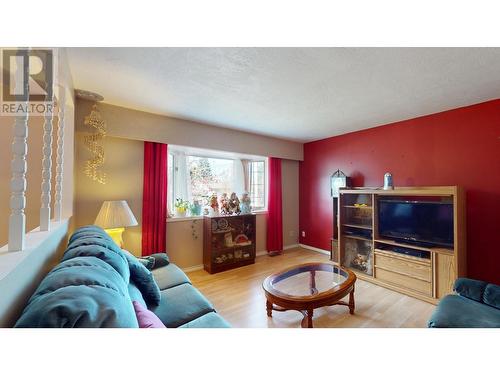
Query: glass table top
[[308, 280]]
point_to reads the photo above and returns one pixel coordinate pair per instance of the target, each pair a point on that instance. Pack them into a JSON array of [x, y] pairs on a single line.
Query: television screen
[[417, 221]]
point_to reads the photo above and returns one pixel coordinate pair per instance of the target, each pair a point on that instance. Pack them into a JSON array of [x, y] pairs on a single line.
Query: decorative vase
[[195, 208]]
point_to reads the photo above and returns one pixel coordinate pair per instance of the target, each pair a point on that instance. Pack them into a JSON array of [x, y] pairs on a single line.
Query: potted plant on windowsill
[[181, 207]]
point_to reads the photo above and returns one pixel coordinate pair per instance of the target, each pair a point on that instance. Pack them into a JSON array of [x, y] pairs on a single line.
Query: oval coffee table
[[308, 286]]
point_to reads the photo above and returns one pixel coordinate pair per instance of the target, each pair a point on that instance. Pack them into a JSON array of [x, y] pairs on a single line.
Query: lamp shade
[[115, 214]]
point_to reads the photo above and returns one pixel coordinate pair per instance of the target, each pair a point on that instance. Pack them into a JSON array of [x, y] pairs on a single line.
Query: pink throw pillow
[[146, 318]]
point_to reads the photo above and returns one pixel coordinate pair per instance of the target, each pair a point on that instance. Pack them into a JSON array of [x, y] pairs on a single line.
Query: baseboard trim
[[264, 252], [193, 268], [312, 248]]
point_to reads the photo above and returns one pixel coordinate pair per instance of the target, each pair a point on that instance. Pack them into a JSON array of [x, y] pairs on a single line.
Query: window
[[209, 175], [196, 175], [257, 184]]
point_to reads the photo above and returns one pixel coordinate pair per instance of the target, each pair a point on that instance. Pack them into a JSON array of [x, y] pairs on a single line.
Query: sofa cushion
[[491, 295], [80, 292], [210, 320], [88, 231], [145, 317], [99, 248], [82, 271], [161, 259], [143, 279], [135, 294], [458, 312], [181, 304], [470, 288], [169, 276], [148, 262], [79, 306]]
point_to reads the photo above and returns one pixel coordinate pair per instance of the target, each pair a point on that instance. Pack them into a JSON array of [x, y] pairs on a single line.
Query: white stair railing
[[59, 156], [46, 171], [17, 218]]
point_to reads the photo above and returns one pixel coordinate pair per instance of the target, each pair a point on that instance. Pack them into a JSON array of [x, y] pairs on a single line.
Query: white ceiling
[[301, 94]]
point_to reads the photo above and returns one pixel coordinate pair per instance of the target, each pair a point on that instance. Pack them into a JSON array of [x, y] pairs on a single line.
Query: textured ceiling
[[301, 94]]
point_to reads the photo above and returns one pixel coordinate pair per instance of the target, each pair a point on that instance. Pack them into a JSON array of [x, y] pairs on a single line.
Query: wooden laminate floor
[[238, 296]]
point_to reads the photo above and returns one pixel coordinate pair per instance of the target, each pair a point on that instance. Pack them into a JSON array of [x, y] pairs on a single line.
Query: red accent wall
[[456, 147]]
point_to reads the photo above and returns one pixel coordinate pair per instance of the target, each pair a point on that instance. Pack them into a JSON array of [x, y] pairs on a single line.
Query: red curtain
[[274, 215], [154, 199]]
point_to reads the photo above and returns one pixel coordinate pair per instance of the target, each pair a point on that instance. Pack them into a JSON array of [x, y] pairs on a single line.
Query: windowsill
[[194, 218], [259, 212], [185, 218]]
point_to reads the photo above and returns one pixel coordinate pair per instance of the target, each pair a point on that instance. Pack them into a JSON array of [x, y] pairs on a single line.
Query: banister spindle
[[46, 171], [59, 157], [17, 218]]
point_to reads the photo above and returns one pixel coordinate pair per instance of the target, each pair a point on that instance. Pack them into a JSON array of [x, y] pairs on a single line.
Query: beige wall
[[132, 124], [124, 169]]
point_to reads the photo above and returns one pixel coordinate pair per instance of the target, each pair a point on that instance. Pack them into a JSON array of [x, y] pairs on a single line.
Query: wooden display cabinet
[[228, 242], [429, 276]]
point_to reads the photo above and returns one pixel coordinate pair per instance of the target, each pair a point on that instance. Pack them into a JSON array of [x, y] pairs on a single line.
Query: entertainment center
[[409, 239]]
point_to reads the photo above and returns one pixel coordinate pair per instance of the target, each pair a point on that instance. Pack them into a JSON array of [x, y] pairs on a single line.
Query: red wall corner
[[456, 147]]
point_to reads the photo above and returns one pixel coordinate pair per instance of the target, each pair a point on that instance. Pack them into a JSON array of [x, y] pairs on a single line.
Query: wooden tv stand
[[429, 276]]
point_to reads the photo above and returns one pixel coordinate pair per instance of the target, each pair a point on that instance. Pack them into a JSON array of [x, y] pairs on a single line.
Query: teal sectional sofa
[[476, 305], [96, 281]]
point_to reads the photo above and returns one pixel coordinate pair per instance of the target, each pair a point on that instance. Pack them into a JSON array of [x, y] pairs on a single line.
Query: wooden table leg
[[309, 318], [307, 322], [269, 308], [351, 302]]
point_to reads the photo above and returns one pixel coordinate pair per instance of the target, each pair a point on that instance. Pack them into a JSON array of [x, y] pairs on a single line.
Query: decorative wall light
[[338, 180], [94, 140]]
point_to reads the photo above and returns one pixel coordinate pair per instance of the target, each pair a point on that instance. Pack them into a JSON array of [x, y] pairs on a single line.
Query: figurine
[[234, 204], [388, 184], [228, 240], [224, 205], [361, 262], [242, 240], [245, 207], [214, 206]]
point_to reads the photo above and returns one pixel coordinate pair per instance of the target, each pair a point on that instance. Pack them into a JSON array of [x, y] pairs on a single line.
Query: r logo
[[37, 78]]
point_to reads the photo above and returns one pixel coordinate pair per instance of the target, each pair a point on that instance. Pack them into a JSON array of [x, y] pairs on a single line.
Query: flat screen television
[[419, 222]]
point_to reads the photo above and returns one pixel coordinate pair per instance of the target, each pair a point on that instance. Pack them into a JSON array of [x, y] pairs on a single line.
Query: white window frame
[[266, 186], [210, 154]]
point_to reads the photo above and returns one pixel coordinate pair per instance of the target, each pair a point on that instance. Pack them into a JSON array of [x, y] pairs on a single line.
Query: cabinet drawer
[[408, 282], [406, 267]]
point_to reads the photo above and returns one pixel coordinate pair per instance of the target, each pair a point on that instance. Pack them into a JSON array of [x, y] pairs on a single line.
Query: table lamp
[[113, 217]]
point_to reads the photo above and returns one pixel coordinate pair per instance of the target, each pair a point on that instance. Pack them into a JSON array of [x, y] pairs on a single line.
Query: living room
[[332, 185]]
